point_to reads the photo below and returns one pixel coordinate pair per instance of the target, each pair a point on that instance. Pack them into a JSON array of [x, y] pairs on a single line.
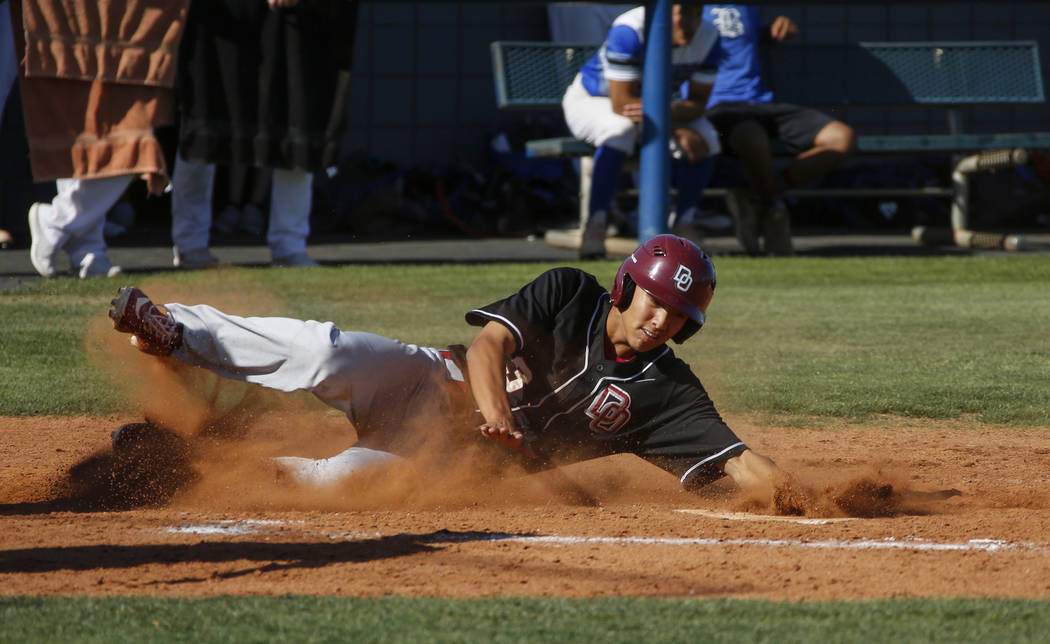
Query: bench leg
[[586, 174], [961, 232], [573, 238]]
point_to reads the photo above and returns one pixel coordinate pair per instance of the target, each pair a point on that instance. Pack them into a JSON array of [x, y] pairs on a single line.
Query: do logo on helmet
[[683, 278]]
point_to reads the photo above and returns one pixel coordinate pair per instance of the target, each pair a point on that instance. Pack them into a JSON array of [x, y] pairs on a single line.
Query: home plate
[[744, 516]]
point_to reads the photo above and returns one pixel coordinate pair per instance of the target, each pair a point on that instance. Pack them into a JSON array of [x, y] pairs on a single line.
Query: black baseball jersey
[[575, 403]]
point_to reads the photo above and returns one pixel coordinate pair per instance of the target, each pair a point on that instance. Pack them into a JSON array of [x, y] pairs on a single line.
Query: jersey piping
[[507, 323], [707, 460], [586, 353], [601, 382]]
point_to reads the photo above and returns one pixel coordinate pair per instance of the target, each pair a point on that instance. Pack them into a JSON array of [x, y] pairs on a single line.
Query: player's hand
[[783, 28], [692, 143], [511, 438], [281, 4], [633, 111]]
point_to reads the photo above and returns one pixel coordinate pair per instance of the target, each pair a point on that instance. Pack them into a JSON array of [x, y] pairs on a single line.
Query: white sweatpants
[[76, 218], [385, 387], [193, 183], [592, 119]]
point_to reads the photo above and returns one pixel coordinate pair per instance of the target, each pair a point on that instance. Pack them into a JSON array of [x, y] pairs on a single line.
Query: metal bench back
[[907, 73], [534, 75]]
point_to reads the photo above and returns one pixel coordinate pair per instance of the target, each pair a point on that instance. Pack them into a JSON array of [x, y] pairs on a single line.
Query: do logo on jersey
[[683, 278], [610, 410]]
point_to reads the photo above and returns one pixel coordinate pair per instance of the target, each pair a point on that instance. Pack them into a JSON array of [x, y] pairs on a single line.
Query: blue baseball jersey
[[622, 56], [575, 401], [740, 73]]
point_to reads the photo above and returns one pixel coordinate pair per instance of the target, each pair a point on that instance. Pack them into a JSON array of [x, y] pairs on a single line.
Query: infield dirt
[[609, 527]]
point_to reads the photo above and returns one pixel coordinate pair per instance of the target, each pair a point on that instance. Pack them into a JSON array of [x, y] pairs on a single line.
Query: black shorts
[[795, 126]]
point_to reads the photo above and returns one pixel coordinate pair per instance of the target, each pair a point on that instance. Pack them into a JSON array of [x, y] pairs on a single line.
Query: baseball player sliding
[[561, 371]]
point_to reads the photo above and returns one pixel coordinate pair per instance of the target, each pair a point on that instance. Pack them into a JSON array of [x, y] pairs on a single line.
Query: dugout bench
[[949, 75]]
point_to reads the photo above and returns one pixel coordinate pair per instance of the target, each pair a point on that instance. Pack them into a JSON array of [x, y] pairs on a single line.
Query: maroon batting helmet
[[673, 270]]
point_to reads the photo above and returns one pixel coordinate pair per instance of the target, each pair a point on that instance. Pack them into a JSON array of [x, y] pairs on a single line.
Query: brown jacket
[[96, 77]]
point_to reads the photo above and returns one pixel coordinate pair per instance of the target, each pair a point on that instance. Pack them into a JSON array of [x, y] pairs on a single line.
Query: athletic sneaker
[[690, 232], [711, 222], [694, 224], [592, 239], [776, 230], [741, 207], [195, 259], [41, 251], [298, 260], [153, 329], [94, 265]]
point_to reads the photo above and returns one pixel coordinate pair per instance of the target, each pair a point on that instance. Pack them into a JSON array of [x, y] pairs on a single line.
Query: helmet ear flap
[[687, 331], [624, 294]]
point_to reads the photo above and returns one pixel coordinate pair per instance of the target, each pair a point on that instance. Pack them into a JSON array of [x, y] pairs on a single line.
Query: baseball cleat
[[592, 239], [154, 330], [776, 230], [743, 210]]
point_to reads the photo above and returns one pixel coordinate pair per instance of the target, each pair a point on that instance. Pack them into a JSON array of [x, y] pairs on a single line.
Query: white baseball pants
[[592, 119], [385, 387], [193, 183], [76, 218]]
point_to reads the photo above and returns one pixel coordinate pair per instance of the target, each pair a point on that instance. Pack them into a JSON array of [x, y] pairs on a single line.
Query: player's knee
[[749, 139], [839, 137], [624, 143], [698, 150], [705, 130]]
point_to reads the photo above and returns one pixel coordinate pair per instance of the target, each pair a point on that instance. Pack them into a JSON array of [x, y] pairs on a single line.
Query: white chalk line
[[744, 516], [890, 543], [241, 527], [228, 527]]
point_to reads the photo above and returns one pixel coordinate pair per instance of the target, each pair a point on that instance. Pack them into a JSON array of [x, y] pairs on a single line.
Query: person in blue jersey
[[603, 107], [743, 110]]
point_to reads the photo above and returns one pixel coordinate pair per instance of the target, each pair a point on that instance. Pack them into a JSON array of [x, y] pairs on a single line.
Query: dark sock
[[608, 165]]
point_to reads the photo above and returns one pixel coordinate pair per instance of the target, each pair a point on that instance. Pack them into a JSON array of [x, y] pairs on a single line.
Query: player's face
[[649, 322], [685, 20]]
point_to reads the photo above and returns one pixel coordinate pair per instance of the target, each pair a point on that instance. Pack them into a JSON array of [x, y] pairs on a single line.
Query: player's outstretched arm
[[750, 470], [486, 364], [757, 474]]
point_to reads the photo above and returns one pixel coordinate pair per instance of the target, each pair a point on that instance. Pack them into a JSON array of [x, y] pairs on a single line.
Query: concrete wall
[[422, 83]]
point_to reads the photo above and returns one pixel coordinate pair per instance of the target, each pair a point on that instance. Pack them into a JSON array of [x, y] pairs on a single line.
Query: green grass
[[854, 339], [300, 619], [932, 337]]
